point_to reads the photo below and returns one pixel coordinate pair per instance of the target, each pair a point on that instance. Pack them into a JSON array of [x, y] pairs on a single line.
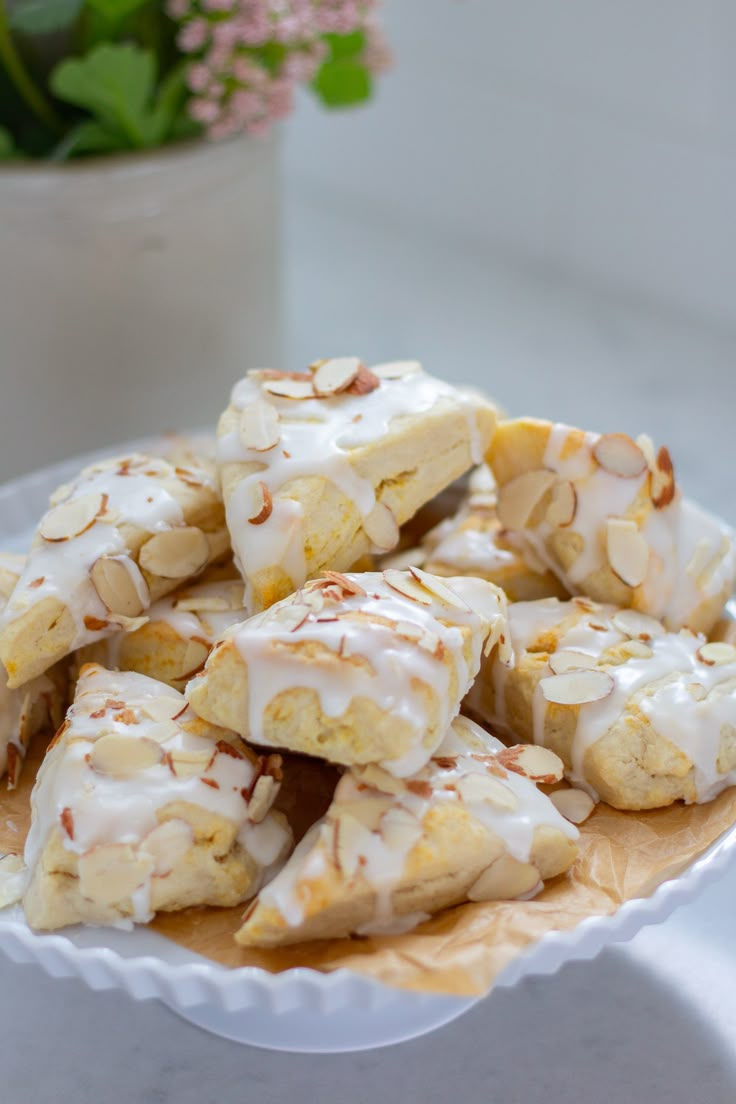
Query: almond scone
[[470, 826], [319, 468], [36, 706], [122, 534], [603, 512], [139, 806], [357, 668], [641, 717]]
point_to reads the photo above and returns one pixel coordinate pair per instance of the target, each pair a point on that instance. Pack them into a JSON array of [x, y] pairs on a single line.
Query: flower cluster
[[246, 57]]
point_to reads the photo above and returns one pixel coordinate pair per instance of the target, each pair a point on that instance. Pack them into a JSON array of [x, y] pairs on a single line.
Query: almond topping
[[350, 586], [120, 585], [396, 369], [380, 527], [570, 660], [504, 880], [662, 488], [167, 845], [716, 653], [563, 504], [291, 617], [627, 550], [260, 503], [636, 649], [436, 587], [111, 872], [122, 756], [518, 499], [405, 584], [484, 787], [364, 382], [574, 805], [373, 775], [335, 375], [287, 388], [72, 518], [175, 553], [205, 603], [262, 798], [400, 829], [348, 839], [535, 762], [95, 624], [259, 426], [577, 687], [67, 821], [619, 455], [185, 764], [639, 626], [646, 445]]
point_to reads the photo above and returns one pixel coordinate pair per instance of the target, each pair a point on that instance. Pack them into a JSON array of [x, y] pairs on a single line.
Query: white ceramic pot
[[134, 291]]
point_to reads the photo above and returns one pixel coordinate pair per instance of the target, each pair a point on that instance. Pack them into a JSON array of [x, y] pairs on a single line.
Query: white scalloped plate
[[299, 1010]]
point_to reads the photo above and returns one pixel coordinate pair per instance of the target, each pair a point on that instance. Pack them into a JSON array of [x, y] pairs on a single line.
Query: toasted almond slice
[[373, 775], [212, 603], [381, 528], [287, 388], [194, 659], [349, 838], [438, 588], [636, 649], [406, 584], [571, 660], [396, 369], [175, 553], [627, 551], [122, 756], [291, 617], [535, 762], [348, 584], [120, 585], [577, 687], [71, 518], [504, 880], [639, 626], [364, 382], [646, 445], [700, 558], [430, 642], [518, 499], [716, 653], [483, 787], [167, 845], [258, 502], [162, 708], [259, 426], [111, 872], [262, 798], [409, 631], [335, 375], [662, 488], [185, 764], [563, 504], [400, 829], [368, 810], [574, 805], [619, 455]]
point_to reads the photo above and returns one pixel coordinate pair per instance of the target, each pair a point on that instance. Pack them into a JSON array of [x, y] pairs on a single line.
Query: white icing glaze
[[136, 495], [316, 439], [383, 866], [106, 808], [691, 721], [394, 661]]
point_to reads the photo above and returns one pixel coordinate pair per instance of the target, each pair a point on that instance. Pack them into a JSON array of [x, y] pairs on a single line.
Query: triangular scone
[[139, 806], [473, 542], [640, 717], [319, 467], [471, 825], [181, 629], [124, 533], [359, 668], [37, 705], [604, 513]]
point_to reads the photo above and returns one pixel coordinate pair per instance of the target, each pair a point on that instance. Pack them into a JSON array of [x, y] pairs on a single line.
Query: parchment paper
[[461, 951]]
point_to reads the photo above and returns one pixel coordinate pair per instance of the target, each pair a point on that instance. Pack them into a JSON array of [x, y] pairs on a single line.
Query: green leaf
[[42, 16], [342, 82], [115, 11], [168, 106], [346, 45], [89, 137], [8, 151], [115, 83]]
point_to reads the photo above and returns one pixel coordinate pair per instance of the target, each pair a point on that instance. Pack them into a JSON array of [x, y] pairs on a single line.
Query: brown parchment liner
[[462, 950]]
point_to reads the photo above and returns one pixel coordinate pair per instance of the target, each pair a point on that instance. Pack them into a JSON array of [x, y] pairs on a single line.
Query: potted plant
[[139, 228]]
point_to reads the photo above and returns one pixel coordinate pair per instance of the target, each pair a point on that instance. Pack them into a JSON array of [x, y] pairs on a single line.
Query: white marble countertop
[[654, 1021]]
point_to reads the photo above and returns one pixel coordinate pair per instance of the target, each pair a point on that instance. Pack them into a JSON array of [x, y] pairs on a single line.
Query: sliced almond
[[289, 618], [335, 375], [636, 649], [212, 603], [574, 805], [430, 642], [120, 585], [163, 708], [619, 455], [504, 880], [262, 798], [627, 551], [350, 586], [368, 810], [259, 503], [287, 388], [259, 426], [400, 829], [111, 872], [662, 488], [122, 756], [405, 584], [483, 787], [194, 659], [700, 558], [535, 762], [518, 499], [571, 660], [716, 653], [396, 369], [373, 775], [364, 382], [563, 504], [409, 631], [639, 626], [71, 518], [167, 845], [646, 445], [348, 841], [175, 553], [380, 527], [577, 687], [439, 589], [186, 764]]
